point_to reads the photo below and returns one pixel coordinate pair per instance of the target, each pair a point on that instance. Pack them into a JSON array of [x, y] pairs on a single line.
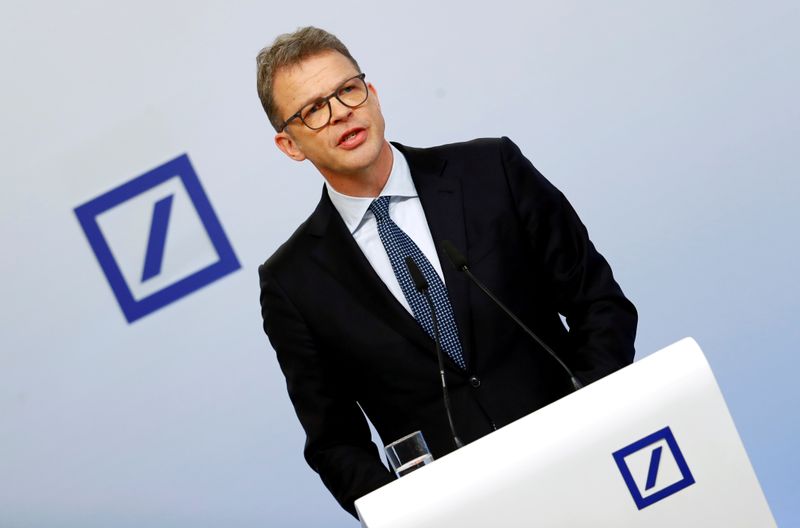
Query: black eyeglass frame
[[298, 114]]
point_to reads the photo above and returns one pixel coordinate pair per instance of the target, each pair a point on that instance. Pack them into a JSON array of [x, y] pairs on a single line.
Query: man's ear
[[374, 92], [289, 146]]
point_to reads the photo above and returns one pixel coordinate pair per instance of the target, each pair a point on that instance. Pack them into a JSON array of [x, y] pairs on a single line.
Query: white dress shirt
[[405, 210]]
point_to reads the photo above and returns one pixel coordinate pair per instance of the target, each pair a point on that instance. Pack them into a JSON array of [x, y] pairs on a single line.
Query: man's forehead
[[313, 76]]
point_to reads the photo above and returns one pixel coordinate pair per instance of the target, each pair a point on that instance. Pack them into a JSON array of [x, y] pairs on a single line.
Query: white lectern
[[651, 445]]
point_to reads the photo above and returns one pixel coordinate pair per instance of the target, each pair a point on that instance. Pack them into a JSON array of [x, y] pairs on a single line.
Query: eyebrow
[[317, 98]]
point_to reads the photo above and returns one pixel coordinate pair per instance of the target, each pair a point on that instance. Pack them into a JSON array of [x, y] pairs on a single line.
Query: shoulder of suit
[[462, 147], [284, 250], [295, 245]]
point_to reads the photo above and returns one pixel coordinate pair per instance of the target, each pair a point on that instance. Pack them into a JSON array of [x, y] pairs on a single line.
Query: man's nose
[[339, 111]]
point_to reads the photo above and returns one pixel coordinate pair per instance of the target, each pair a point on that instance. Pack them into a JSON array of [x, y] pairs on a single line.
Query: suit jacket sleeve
[[338, 441], [602, 321]]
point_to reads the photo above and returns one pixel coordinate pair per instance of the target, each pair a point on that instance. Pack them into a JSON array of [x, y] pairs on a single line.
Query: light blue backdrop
[[672, 127]]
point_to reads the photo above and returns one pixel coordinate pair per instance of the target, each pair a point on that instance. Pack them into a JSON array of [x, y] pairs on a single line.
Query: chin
[[363, 157]]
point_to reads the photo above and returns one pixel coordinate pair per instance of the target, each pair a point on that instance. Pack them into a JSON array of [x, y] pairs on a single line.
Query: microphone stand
[[460, 263], [422, 286]]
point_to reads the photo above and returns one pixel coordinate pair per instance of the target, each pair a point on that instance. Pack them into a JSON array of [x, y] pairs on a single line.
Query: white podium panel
[[651, 445]]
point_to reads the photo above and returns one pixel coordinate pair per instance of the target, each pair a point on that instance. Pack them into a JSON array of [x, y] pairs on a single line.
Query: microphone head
[[416, 275], [458, 260]]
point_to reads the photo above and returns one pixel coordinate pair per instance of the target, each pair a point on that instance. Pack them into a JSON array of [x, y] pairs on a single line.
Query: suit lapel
[[441, 196], [339, 254]]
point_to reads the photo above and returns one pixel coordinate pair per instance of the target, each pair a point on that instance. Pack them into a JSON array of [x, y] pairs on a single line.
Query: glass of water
[[409, 453]]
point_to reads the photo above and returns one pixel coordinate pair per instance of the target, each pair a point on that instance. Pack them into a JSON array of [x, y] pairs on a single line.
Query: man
[[350, 331]]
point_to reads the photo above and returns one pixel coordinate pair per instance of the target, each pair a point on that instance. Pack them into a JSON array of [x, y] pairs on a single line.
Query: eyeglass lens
[[351, 94]]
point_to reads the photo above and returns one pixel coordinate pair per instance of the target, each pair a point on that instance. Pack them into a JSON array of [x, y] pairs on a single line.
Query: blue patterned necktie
[[398, 246]]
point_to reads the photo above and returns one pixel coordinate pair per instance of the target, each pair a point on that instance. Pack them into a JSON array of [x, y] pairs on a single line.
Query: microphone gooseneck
[[460, 263], [421, 285]]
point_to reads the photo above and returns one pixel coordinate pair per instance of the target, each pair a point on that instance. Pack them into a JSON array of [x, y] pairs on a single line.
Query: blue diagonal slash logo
[[157, 239], [653, 468], [168, 267], [652, 473]]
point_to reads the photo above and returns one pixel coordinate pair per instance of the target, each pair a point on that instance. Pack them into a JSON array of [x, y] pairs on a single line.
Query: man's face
[[350, 146]]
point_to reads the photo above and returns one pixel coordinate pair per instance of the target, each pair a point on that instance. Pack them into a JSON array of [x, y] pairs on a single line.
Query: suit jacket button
[[475, 381]]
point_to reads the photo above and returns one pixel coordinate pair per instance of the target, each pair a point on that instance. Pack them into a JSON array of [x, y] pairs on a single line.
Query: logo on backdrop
[[157, 238], [653, 468]]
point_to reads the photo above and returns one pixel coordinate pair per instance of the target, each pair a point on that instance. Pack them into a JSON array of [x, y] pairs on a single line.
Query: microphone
[[460, 263], [422, 286]]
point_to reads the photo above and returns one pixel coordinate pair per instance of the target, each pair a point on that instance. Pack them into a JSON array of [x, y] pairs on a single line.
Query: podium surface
[[650, 445]]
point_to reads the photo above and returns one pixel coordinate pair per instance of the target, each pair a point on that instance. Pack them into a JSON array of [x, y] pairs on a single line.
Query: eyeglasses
[[317, 114]]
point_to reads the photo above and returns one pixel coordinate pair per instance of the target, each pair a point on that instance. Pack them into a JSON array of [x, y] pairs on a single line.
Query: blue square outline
[[662, 434], [181, 168]]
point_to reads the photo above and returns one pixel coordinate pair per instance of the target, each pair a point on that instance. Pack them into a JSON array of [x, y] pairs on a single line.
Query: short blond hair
[[290, 49]]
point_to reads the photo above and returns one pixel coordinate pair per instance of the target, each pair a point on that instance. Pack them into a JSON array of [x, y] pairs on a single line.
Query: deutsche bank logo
[[653, 468], [157, 238]]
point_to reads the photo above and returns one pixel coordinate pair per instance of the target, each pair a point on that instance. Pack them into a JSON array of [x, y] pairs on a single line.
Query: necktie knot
[[380, 208]]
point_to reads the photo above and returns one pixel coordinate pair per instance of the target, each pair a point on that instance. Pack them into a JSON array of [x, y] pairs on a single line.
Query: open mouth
[[352, 137]]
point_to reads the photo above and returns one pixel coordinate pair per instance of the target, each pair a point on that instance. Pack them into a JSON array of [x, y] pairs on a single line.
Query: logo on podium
[[157, 238], [653, 468]]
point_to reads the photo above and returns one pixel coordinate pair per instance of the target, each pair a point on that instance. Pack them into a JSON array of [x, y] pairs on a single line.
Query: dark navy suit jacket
[[345, 344]]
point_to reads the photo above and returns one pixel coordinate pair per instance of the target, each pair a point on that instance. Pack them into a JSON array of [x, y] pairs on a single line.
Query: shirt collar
[[353, 209]]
